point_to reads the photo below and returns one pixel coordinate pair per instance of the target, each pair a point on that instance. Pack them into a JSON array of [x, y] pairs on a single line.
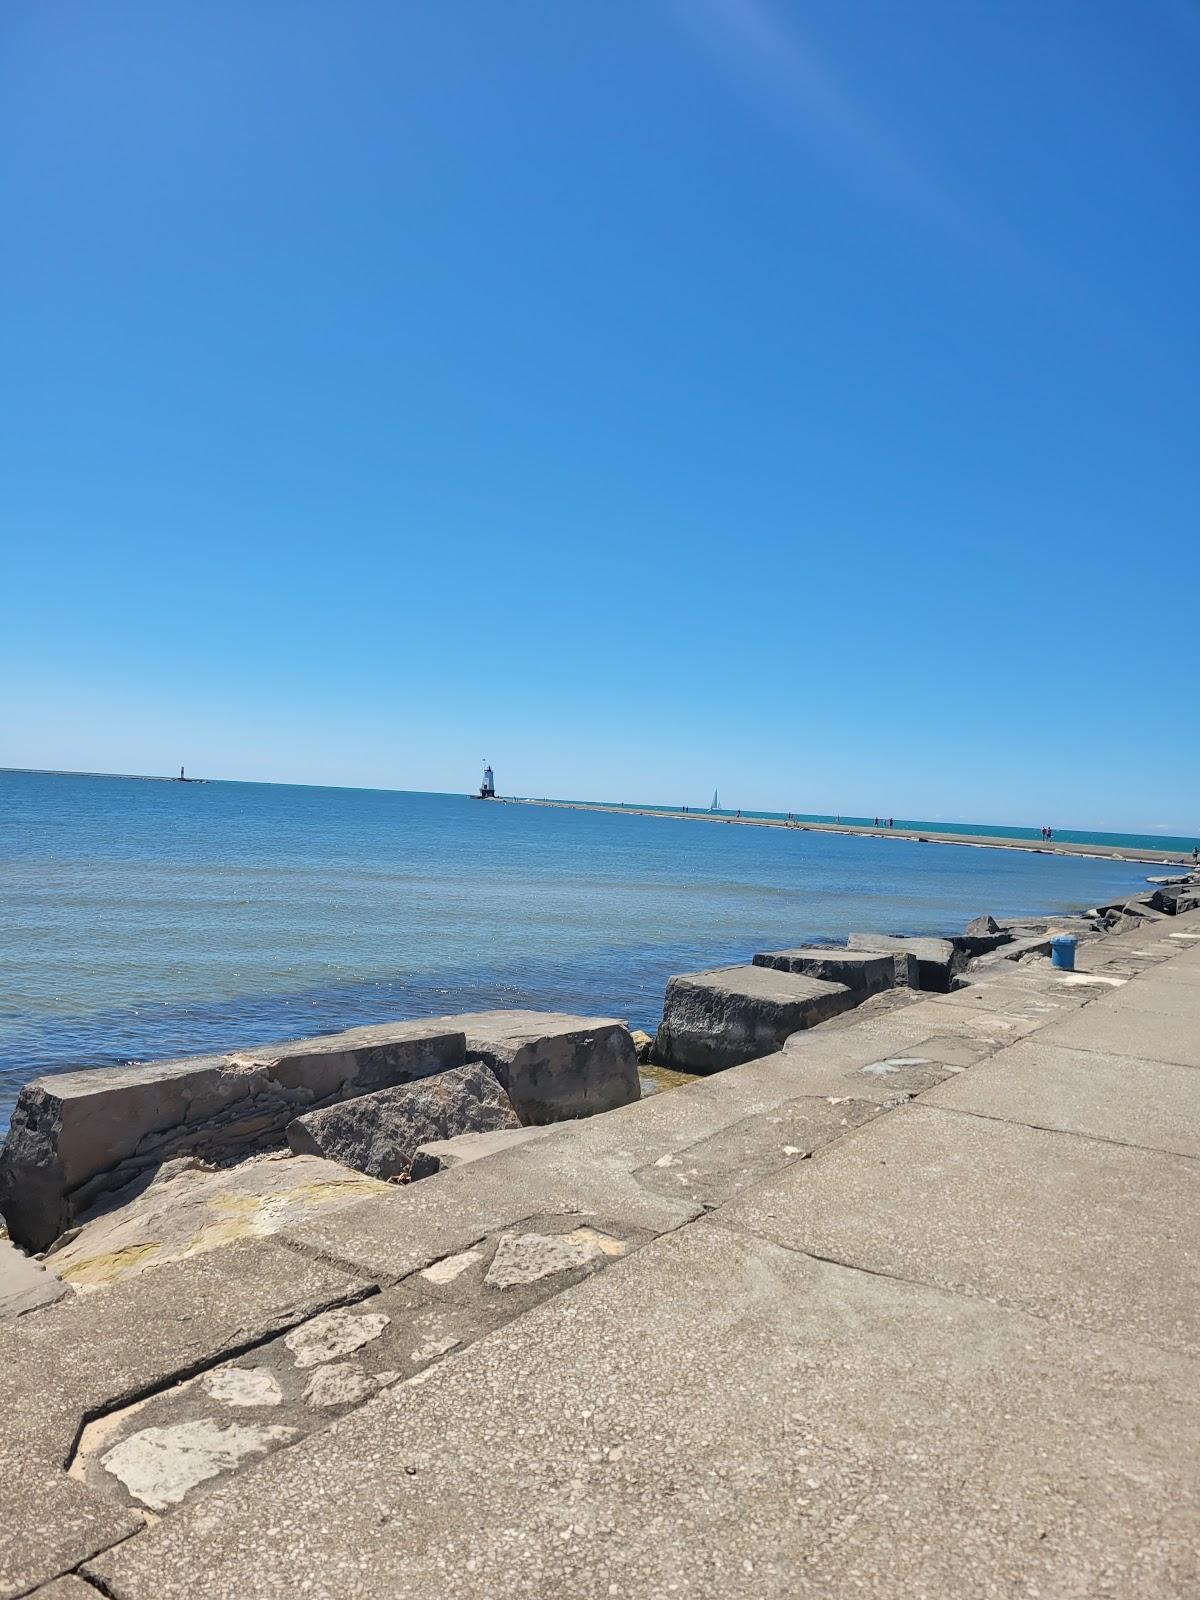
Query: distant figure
[[739, 813], [875, 822], [891, 823], [1049, 833], [685, 811], [1195, 854]]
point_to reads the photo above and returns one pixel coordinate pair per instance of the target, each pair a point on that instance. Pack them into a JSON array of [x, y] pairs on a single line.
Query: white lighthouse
[[487, 789]]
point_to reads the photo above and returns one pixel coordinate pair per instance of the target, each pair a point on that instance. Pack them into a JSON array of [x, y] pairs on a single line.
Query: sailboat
[[716, 805]]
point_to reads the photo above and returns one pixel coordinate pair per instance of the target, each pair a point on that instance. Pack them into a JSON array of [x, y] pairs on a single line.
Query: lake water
[[145, 918]]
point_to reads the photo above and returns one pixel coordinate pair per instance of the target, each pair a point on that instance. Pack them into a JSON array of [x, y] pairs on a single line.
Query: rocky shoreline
[[110, 1171], [959, 1219]]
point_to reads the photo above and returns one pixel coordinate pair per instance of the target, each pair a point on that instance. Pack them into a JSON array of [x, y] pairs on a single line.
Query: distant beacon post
[[487, 789]]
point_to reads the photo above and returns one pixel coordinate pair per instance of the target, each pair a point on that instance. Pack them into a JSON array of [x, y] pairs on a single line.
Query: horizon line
[[632, 805]]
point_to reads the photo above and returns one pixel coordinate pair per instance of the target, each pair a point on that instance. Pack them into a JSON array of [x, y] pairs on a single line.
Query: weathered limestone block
[[718, 1019], [937, 959], [380, 1133], [185, 1208], [554, 1066], [76, 1135], [864, 970], [439, 1155]]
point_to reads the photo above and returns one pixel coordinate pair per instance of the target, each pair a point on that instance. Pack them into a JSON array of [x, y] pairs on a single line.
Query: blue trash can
[[1062, 952]]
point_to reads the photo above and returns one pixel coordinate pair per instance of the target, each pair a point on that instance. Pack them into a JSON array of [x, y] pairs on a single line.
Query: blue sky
[[795, 398]]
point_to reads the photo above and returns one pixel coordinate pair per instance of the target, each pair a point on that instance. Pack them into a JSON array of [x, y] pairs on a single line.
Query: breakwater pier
[[905, 1302], [978, 841]]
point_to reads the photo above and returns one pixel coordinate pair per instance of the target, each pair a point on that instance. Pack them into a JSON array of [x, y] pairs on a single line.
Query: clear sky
[[800, 398]]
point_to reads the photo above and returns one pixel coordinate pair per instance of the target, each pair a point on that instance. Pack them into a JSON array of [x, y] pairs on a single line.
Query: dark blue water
[[143, 918]]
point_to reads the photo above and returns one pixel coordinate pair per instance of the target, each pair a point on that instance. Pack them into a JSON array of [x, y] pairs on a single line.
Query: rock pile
[[78, 1140]]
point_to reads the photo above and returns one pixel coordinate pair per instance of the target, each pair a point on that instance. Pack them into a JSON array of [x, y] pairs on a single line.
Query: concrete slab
[[1037, 1000], [718, 1019], [1163, 995], [49, 1525], [886, 1077], [173, 1445], [1128, 1031], [1148, 1103], [25, 1284], [83, 1355], [718, 1417], [715, 1169], [557, 1175], [107, 1347], [991, 1030], [1100, 1236], [437, 1155]]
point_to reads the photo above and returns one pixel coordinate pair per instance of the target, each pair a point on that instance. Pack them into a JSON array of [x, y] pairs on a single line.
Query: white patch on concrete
[[604, 1242], [523, 1258], [666, 1161], [435, 1348], [446, 1271], [1074, 979], [243, 1386], [884, 1069], [340, 1385], [160, 1465], [334, 1334]]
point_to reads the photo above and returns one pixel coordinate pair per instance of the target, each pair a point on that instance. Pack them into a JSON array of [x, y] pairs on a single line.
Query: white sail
[[716, 805]]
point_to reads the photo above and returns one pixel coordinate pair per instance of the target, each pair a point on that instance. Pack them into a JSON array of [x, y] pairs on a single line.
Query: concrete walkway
[[909, 1308]]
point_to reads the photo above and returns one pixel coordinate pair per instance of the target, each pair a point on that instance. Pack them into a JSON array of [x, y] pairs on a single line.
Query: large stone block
[[1176, 899], [718, 1019], [867, 971], [981, 935], [554, 1066], [77, 1135], [380, 1133], [937, 959]]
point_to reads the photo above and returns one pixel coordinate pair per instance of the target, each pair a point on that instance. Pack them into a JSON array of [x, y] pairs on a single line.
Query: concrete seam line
[[1013, 1307], [77, 1570], [91, 1579], [1069, 1133]]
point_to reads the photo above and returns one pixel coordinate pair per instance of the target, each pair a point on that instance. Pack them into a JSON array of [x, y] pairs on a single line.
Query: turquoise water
[[145, 918]]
